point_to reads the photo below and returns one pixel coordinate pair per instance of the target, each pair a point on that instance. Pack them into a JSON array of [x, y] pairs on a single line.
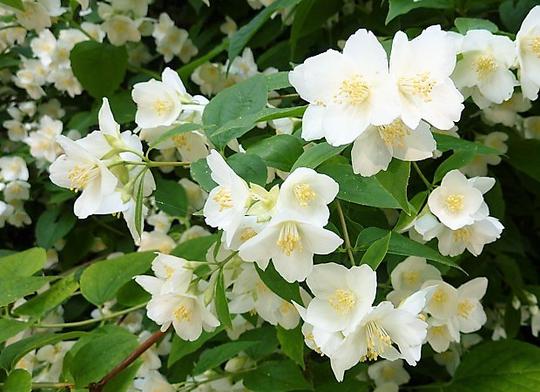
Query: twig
[[421, 175], [345, 233], [42, 385], [98, 387]]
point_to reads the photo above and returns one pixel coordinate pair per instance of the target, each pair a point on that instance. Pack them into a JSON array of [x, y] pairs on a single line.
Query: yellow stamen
[[439, 296], [224, 198], [534, 45], [289, 239], [342, 301], [484, 65], [162, 107], [304, 194], [180, 141], [247, 233], [182, 313], [462, 234], [465, 308], [79, 176], [393, 134], [353, 91], [377, 339], [438, 330], [420, 85], [411, 278], [454, 202]]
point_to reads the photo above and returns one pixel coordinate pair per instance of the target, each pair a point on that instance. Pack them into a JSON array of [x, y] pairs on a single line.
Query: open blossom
[[308, 193], [528, 51], [459, 201], [374, 149], [13, 168], [383, 372], [291, 243], [342, 296], [425, 89], [409, 276], [159, 103], [484, 71], [506, 113], [121, 29], [226, 203], [346, 91]]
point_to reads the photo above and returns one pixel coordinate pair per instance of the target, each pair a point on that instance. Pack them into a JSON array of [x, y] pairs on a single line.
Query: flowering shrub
[[269, 195]]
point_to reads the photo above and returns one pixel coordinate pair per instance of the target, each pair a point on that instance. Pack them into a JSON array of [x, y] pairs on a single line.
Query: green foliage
[[377, 250], [291, 342], [19, 380], [276, 376], [218, 355], [287, 291], [171, 198], [279, 151]]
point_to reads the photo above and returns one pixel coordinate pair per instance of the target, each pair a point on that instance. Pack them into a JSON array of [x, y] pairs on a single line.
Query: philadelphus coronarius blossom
[[528, 52], [484, 70], [175, 300], [285, 225]]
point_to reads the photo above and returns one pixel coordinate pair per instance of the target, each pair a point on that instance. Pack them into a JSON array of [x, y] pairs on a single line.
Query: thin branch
[[345, 233], [98, 387], [421, 175]]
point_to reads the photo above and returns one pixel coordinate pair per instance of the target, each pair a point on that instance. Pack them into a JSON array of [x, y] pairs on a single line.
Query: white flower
[[484, 70], [243, 67], [13, 168], [156, 240], [159, 103], [44, 46], [195, 194], [17, 190], [374, 149], [226, 203], [442, 303], [43, 143], [440, 334], [291, 243], [454, 242], [121, 29], [528, 51], [346, 91], [342, 296], [377, 333], [478, 166], [383, 372], [308, 193], [153, 382], [34, 17], [531, 127], [421, 70], [470, 313], [459, 201], [409, 276], [161, 222], [506, 113]]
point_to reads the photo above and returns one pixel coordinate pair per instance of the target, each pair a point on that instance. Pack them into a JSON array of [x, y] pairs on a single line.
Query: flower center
[[465, 308], [454, 202], [304, 194], [169, 271], [534, 45], [182, 313], [393, 134], [462, 234], [484, 65], [79, 176], [247, 233], [439, 296], [289, 239], [420, 85], [377, 340], [388, 373], [180, 140], [411, 278], [353, 91], [162, 107], [342, 301], [438, 330], [286, 308], [224, 198]]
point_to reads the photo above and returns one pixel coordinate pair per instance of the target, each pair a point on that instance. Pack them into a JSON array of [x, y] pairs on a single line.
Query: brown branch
[[98, 387]]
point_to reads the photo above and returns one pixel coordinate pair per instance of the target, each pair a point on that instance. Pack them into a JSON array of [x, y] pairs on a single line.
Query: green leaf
[[171, 197], [19, 380], [50, 299], [81, 121], [512, 13], [14, 287], [400, 245], [139, 200], [401, 7], [122, 106], [194, 249], [465, 24], [14, 352], [124, 380], [9, 328], [232, 104], [447, 142], [502, 366], [100, 67], [395, 180], [250, 167], [17, 4], [292, 343], [101, 281], [377, 250], [23, 263], [201, 173], [278, 80], [217, 355], [523, 155], [53, 225], [180, 348], [454, 161], [279, 151], [316, 155], [241, 37], [97, 357], [222, 308], [405, 220], [183, 128], [354, 188], [287, 291], [276, 376]]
